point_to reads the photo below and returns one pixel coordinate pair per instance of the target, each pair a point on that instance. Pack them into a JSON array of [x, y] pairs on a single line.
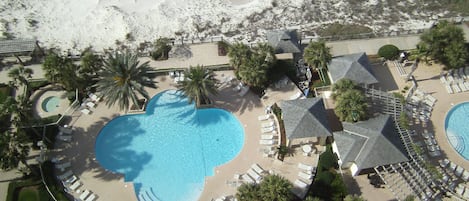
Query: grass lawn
[[29, 194]]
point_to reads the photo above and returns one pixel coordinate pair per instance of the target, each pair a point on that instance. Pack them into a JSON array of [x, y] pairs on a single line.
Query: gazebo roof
[[17, 46], [370, 143], [283, 41], [304, 118], [355, 67]]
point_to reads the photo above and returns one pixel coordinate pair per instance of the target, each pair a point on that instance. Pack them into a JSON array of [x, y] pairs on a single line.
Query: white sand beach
[[75, 25]]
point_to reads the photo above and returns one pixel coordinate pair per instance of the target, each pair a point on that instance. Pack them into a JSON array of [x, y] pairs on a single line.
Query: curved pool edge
[[446, 132]]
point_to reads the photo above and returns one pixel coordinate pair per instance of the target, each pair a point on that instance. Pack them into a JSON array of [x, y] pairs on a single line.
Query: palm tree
[[317, 55], [198, 85], [248, 192], [267, 52], [341, 86], [20, 76], [122, 78], [13, 150], [275, 187], [351, 106], [253, 72], [238, 53]]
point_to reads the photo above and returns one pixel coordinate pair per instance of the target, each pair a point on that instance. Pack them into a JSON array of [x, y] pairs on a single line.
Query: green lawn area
[[29, 194]]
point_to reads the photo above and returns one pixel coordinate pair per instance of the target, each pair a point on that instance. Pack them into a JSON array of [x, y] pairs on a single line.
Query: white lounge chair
[[243, 91], [268, 124], [257, 168], [85, 111], [66, 130], [92, 197], [247, 179], [268, 129], [267, 137], [65, 175], [263, 117], [71, 179], [75, 185], [94, 97], [62, 166], [305, 167], [300, 184], [459, 170], [65, 138], [305, 176], [465, 175], [449, 89], [256, 176], [84, 194], [267, 142], [90, 104]]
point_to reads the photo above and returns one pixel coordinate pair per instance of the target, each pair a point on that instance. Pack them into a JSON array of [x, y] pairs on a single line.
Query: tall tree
[[20, 76], [62, 70], [123, 78], [351, 106], [445, 43], [254, 64], [13, 150], [248, 192], [342, 86], [317, 56], [198, 85], [238, 53], [275, 187]]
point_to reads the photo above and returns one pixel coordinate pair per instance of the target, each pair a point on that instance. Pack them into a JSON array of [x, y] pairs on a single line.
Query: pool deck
[[111, 186]]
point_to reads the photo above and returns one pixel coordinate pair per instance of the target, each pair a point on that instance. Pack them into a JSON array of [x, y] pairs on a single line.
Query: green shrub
[[161, 49], [36, 84], [389, 52]]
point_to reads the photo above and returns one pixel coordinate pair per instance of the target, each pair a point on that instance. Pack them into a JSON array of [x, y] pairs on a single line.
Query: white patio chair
[[92, 197], [305, 167], [268, 124], [267, 137], [247, 178], [85, 111], [264, 117], [305, 176], [75, 185], [84, 194]]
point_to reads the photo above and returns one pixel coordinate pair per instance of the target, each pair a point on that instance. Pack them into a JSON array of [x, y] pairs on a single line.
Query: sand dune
[[71, 24]]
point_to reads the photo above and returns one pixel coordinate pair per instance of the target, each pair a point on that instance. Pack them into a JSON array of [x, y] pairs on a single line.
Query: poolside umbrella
[[305, 118]]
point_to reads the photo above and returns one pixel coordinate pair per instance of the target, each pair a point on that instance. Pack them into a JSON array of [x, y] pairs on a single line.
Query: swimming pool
[[168, 151], [50, 103], [457, 128]]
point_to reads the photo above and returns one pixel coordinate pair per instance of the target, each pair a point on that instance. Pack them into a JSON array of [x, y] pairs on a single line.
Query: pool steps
[[147, 195]]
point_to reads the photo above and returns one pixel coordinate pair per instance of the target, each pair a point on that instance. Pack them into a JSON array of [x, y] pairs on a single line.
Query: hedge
[[389, 52]]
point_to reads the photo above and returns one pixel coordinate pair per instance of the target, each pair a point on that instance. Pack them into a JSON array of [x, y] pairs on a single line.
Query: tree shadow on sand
[[83, 149]]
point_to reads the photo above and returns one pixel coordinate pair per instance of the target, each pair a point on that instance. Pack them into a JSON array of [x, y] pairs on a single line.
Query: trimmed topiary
[[388, 52]]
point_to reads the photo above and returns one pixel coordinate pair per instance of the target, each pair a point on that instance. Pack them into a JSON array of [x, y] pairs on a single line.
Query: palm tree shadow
[[230, 100]]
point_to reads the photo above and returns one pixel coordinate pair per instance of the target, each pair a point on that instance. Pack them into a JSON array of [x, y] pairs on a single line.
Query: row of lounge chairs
[[420, 105], [65, 133], [306, 175], [89, 103], [455, 81], [269, 135], [71, 182]]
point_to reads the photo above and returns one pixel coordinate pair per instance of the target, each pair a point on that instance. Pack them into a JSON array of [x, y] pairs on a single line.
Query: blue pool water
[[168, 151], [50, 104], [457, 128]]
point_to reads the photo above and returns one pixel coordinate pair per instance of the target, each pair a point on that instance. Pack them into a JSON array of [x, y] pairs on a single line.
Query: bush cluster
[[389, 52]]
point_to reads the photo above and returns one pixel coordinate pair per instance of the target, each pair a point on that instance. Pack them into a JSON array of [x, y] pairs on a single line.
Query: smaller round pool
[[457, 129], [50, 103]]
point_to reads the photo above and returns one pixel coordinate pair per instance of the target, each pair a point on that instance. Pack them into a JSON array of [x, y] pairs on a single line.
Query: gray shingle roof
[[382, 145], [283, 41], [354, 67], [17, 46], [305, 118]]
